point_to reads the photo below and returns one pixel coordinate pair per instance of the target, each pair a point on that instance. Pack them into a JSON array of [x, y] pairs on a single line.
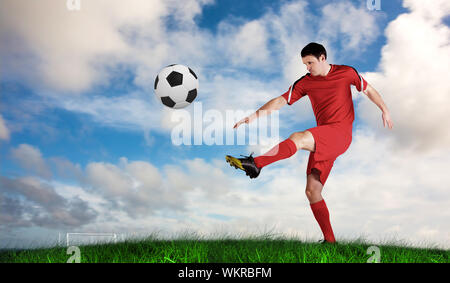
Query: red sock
[[283, 150], [322, 216]]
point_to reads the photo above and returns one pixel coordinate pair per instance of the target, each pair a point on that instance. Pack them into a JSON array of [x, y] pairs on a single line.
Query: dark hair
[[314, 49]]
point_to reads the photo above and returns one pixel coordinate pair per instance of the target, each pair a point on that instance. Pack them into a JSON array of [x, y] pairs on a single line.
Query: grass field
[[244, 250]]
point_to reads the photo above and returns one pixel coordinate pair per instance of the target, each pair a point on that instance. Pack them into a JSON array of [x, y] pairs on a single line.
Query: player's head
[[314, 56]]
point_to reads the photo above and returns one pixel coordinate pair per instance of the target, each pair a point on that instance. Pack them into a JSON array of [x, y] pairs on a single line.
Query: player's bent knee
[[299, 139], [313, 194], [313, 186]]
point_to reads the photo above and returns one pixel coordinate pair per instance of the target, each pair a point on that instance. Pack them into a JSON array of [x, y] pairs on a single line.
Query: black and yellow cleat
[[246, 164], [235, 162]]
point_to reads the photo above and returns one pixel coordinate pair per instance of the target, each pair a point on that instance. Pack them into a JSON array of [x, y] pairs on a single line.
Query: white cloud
[[29, 201], [64, 169], [127, 112], [30, 158], [4, 131], [62, 48], [413, 78], [108, 179], [133, 187], [349, 36], [71, 51], [433, 11], [376, 190], [245, 45], [66, 53]]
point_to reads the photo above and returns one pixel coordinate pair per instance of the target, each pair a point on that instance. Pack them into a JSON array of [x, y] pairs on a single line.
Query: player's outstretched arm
[[375, 97], [272, 105]]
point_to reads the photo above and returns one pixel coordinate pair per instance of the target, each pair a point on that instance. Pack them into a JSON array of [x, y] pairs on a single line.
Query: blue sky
[[79, 116], [249, 10], [64, 133]]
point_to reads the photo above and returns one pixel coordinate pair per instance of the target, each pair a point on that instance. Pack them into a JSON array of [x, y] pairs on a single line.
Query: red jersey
[[330, 95]]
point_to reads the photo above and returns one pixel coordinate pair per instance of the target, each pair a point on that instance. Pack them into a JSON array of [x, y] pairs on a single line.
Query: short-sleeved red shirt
[[331, 100], [330, 95]]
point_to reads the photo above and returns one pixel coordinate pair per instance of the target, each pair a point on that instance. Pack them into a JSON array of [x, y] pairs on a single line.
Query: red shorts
[[331, 141]]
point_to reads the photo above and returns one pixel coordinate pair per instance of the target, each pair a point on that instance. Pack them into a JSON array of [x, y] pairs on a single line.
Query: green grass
[[228, 250]]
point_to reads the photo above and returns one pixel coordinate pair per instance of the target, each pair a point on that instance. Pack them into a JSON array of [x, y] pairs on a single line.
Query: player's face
[[313, 65]]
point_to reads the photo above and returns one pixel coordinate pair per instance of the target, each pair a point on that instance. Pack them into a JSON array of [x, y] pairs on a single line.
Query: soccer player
[[328, 88]]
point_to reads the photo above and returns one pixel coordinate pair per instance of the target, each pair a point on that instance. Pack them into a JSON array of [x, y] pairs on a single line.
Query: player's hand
[[387, 121], [245, 120]]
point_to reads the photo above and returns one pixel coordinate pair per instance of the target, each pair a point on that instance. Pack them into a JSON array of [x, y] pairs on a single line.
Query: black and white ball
[[176, 86]]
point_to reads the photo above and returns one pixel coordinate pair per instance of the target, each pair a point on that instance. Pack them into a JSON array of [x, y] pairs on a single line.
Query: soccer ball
[[176, 86]]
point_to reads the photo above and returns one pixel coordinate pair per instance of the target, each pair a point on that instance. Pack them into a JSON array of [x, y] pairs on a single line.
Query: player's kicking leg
[[285, 149]]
